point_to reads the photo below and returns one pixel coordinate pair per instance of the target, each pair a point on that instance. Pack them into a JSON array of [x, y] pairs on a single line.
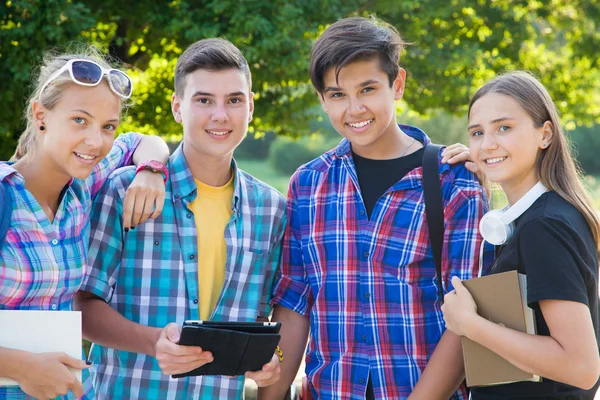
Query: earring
[[42, 128], [545, 145]]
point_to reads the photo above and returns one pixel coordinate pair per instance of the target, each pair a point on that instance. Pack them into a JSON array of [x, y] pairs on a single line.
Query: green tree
[[457, 46]]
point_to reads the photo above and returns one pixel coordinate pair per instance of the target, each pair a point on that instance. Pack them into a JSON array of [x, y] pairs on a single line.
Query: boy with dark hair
[[357, 269], [211, 254]]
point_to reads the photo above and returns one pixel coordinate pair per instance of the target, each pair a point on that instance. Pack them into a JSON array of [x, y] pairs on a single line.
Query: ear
[[399, 84], [251, 104], [547, 134], [176, 108], [39, 114]]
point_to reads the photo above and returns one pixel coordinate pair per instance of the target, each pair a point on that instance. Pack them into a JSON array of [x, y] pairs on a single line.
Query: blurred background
[[457, 45]]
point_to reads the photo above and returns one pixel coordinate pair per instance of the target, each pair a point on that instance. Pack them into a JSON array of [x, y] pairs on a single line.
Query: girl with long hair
[[516, 140], [63, 157]]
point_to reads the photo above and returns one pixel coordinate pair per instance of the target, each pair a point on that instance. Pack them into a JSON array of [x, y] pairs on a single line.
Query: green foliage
[[27, 28], [287, 154], [256, 148], [586, 142], [457, 46]]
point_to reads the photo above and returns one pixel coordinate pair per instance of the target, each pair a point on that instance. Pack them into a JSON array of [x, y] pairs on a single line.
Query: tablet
[[237, 347], [248, 327]]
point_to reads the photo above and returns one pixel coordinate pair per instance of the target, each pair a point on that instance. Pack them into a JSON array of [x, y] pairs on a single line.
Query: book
[[41, 332], [502, 299]]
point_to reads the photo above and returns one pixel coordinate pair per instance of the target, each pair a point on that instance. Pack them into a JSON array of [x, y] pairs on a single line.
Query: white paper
[[41, 332]]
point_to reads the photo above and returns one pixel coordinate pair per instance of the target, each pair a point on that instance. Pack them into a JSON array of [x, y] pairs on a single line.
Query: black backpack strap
[[434, 207], [6, 206]]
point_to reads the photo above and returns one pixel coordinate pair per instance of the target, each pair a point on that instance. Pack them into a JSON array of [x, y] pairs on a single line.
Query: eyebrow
[[206, 94], [91, 116], [84, 112], [494, 121], [362, 84]]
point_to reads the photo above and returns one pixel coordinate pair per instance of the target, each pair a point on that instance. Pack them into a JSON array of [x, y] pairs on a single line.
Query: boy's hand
[[269, 374], [144, 199], [458, 152], [175, 359]]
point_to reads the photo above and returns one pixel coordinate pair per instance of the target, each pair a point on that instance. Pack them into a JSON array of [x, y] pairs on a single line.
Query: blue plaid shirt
[[369, 284], [150, 276]]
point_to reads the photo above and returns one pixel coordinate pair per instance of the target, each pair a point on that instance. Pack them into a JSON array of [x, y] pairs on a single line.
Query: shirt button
[[192, 256], [364, 337], [54, 306], [362, 380], [195, 301], [189, 216], [54, 242], [367, 295], [362, 212], [366, 254], [156, 242]]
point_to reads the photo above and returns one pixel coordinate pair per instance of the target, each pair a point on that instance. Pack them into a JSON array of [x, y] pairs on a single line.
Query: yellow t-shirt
[[212, 211]]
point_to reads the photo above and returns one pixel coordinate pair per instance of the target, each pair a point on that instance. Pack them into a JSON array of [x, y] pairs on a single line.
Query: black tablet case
[[234, 352]]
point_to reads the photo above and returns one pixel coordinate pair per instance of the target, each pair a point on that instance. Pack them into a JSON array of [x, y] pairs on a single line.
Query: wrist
[[153, 166], [152, 335], [470, 324]]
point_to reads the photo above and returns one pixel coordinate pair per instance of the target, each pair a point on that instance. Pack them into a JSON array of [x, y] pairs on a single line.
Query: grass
[[263, 170]]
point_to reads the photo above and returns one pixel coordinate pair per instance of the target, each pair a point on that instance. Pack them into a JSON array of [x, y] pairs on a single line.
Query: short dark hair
[[355, 39], [213, 54]]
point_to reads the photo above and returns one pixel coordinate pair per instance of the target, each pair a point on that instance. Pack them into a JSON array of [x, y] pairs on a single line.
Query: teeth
[[361, 124], [495, 160], [85, 156], [218, 133]]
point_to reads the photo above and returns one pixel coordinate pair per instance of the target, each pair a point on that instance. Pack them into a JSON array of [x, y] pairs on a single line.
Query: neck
[[212, 171], [42, 179], [393, 143], [515, 191]]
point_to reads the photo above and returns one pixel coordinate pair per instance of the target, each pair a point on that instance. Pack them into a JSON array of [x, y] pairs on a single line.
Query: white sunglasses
[[89, 73]]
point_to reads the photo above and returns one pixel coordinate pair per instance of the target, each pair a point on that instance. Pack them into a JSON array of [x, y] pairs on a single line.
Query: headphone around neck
[[497, 226]]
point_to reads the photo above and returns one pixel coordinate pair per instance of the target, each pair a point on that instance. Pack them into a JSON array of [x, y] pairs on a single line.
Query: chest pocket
[[244, 285]]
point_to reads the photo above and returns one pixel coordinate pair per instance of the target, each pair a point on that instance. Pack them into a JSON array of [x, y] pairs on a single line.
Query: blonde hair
[[53, 93], [556, 166]]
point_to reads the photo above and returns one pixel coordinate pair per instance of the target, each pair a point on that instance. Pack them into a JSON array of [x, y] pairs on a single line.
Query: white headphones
[[497, 226]]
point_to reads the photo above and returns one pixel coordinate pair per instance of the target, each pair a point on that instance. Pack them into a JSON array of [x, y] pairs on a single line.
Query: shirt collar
[[183, 184]]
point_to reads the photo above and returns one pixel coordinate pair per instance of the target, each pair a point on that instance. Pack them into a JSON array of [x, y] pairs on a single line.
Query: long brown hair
[[556, 167]]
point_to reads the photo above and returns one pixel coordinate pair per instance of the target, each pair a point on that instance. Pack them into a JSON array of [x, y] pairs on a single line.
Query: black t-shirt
[[375, 177], [554, 247]]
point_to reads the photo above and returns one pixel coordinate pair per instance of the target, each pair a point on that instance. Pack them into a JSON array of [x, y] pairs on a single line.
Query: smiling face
[[505, 143], [215, 111], [362, 106], [79, 129]]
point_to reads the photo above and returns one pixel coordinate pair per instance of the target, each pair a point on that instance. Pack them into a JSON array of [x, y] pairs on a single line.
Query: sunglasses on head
[[89, 73]]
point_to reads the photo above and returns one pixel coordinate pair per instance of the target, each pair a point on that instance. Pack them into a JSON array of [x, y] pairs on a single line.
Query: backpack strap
[[6, 207], [434, 208]]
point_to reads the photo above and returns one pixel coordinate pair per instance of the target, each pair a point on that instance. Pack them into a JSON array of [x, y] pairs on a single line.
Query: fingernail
[[133, 227], [88, 362], [126, 230]]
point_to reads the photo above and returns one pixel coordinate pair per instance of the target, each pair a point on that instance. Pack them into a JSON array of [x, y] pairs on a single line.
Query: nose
[[356, 107], [488, 142], [93, 138], [220, 113]]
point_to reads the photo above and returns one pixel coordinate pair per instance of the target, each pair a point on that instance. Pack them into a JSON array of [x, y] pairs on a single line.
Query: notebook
[[41, 331], [500, 298]]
